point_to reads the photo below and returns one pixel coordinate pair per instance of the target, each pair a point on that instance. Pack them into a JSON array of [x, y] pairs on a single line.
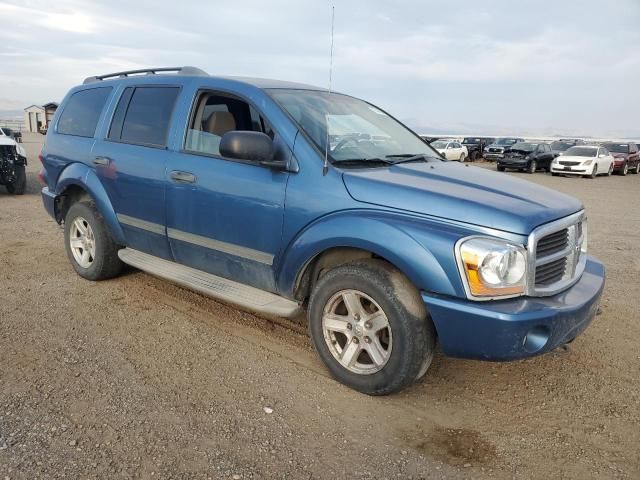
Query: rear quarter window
[[81, 113], [143, 115]]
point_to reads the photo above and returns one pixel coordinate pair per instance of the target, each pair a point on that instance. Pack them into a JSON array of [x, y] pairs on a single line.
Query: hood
[[458, 192], [7, 140], [518, 153]]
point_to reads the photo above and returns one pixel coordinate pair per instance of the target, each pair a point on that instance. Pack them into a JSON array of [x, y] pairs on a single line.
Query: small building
[[37, 118]]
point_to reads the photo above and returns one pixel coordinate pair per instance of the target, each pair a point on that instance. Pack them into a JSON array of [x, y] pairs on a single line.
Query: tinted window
[[524, 147], [617, 147], [147, 118], [82, 112]]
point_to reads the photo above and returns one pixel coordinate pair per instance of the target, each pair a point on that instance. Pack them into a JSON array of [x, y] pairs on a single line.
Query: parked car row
[[580, 159]]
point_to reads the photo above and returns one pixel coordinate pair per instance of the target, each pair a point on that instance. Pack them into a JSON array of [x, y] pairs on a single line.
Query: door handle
[[101, 161], [182, 177]]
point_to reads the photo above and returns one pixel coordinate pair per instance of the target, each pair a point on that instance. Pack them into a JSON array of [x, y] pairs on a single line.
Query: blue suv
[[279, 197]]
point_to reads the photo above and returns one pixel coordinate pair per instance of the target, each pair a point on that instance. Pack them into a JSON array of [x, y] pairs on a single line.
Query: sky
[[480, 67]]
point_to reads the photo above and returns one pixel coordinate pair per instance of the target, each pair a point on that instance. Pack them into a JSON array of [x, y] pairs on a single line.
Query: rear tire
[[343, 336], [19, 185], [90, 248]]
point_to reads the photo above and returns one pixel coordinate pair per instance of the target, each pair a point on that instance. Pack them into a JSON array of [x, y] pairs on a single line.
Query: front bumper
[[518, 327], [493, 156], [571, 170], [513, 163]]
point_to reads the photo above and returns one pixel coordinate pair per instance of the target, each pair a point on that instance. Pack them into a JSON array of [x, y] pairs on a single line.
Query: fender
[[422, 250], [84, 177]]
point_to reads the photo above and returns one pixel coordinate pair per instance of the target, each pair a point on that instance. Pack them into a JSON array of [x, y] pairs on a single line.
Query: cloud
[[525, 65]]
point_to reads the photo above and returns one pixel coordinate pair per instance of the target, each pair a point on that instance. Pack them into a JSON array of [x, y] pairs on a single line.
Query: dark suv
[[476, 145], [625, 157], [498, 148], [527, 156]]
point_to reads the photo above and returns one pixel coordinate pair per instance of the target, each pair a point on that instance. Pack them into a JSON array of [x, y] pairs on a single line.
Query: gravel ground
[[137, 378]]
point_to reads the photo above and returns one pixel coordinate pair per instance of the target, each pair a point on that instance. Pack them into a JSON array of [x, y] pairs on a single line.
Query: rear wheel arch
[[77, 183]]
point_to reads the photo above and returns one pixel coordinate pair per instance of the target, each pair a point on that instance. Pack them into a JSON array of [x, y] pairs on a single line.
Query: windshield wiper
[[363, 161], [408, 157]]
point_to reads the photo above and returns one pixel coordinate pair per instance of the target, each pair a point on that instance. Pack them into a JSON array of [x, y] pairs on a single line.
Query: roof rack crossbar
[[148, 71]]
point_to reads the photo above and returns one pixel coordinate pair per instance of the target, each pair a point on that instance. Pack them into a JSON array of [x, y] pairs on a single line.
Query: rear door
[[131, 159], [225, 216]]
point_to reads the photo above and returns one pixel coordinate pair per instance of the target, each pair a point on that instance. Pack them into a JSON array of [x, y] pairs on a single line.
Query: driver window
[[213, 115]]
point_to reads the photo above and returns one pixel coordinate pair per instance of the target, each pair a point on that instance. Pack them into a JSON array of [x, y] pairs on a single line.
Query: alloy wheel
[[357, 332], [82, 242]]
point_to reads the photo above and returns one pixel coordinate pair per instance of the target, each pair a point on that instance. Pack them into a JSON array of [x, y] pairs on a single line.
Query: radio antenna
[[325, 167]]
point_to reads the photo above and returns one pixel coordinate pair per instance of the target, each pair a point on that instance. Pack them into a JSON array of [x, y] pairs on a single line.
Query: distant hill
[[11, 114]]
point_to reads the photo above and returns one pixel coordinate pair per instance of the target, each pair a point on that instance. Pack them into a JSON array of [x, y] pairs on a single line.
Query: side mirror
[[251, 146]]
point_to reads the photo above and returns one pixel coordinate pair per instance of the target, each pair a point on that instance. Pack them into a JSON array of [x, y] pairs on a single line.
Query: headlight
[[587, 163], [492, 267]]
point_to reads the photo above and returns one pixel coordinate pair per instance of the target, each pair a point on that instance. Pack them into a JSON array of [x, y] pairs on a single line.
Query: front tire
[[625, 169], [90, 248], [533, 165], [500, 168], [370, 327], [19, 184], [637, 170]]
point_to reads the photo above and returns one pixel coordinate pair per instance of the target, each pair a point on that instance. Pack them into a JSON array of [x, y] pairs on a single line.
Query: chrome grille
[[551, 272], [555, 259], [553, 243]]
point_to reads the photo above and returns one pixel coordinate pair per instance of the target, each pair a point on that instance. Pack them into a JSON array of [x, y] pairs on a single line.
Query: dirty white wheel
[[82, 242], [370, 327], [356, 331], [90, 248]]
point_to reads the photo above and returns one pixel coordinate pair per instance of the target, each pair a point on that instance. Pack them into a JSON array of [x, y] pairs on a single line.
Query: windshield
[[506, 141], [356, 130], [560, 146], [617, 147], [524, 147], [472, 140], [581, 152]]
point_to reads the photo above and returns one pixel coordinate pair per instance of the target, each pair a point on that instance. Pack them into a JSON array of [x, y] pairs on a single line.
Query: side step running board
[[228, 291]]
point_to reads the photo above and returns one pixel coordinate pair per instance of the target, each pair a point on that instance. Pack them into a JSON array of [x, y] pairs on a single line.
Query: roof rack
[[147, 71]]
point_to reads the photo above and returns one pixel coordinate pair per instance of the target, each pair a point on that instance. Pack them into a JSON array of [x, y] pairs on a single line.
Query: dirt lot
[[137, 378]]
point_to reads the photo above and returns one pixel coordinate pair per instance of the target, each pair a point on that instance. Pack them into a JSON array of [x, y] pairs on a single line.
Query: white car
[[451, 149], [584, 160]]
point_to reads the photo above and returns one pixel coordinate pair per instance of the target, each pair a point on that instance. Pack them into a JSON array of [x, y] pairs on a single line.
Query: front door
[[224, 216]]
